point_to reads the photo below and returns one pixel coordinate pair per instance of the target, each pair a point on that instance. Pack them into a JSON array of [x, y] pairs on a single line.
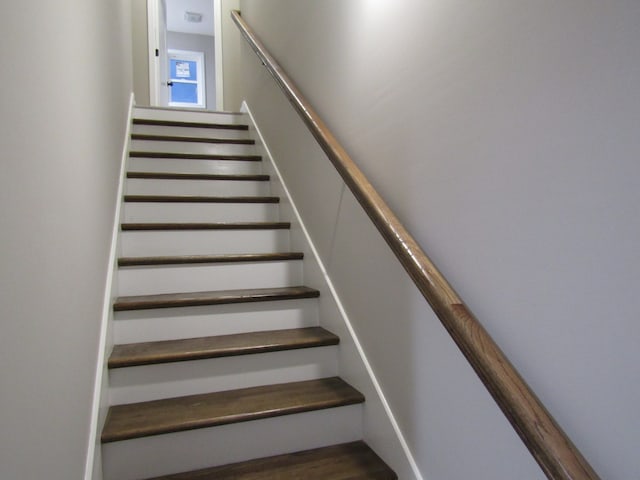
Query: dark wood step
[[216, 297], [349, 461], [207, 226], [189, 259], [174, 123], [134, 354], [220, 408], [196, 176], [196, 156], [180, 138], [198, 199]]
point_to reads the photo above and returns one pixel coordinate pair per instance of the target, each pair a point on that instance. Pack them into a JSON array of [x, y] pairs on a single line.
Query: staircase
[[220, 367]]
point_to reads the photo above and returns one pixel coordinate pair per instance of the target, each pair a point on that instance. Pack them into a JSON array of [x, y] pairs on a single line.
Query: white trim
[[217, 33], [336, 298], [153, 43], [106, 306]]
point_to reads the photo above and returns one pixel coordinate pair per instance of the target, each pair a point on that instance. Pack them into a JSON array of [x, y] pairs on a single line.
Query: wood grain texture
[[147, 353], [197, 176], [547, 442], [180, 138], [198, 199], [207, 226], [220, 408], [175, 123], [191, 259], [216, 297], [196, 156], [349, 461]]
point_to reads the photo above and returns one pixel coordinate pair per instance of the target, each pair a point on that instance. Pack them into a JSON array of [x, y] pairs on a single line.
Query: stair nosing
[[196, 176], [190, 403], [218, 346], [194, 156], [214, 297], [199, 259], [186, 139], [198, 199], [189, 124], [173, 226]]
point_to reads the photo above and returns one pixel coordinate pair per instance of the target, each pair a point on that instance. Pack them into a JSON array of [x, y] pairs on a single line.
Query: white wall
[[204, 44], [505, 137], [63, 108]]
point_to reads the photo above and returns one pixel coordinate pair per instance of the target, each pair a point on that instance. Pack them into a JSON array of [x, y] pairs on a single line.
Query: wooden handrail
[[549, 445]]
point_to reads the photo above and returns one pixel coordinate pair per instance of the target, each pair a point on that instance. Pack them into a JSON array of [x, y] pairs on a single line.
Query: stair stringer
[[100, 399], [381, 430]]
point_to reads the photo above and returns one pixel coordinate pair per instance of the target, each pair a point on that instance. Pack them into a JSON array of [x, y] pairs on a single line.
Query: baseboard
[[391, 444], [93, 470]]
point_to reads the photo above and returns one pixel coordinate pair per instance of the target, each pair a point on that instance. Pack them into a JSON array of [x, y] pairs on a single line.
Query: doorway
[[182, 53]]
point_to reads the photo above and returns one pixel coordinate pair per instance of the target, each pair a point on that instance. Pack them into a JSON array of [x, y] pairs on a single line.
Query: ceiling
[[177, 23]]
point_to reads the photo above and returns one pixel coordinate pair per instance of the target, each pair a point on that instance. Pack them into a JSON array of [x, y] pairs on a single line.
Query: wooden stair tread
[[134, 354], [227, 258], [349, 461], [180, 138], [198, 199], [196, 176], [177, 123], [221, 408], [207, 226], [196, 156], [216, 297]]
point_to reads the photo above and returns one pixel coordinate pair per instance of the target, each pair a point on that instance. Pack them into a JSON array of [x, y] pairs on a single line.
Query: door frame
[[153, 39]]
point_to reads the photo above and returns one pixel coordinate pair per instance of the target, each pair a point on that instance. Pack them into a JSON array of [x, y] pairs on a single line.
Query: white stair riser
[[190, 131], [152, 382], [158, 279], [182, 165], [195, 449], [140, 186], [190, 322], [190, 116], [191, 147], [203, 242], [200, 212]]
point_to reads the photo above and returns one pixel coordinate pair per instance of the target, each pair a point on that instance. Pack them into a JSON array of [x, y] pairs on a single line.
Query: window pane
[[184, 92], [183, 69]]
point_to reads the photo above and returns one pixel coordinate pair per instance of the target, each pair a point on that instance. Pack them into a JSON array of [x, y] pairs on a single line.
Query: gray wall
[[199, 43], [140, 41], [505, 137], [63, 112]]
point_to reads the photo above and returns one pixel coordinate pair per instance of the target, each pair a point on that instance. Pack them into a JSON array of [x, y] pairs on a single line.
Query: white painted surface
[[192, 132], [151, 382], [142, 186], [203, 242], [176, 16], [504, 136], [195, 449], [190, 147], [200, 212], [231, 167], [172, 323], [100, 403], [203, 277], [61, 138], [188, 115]]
